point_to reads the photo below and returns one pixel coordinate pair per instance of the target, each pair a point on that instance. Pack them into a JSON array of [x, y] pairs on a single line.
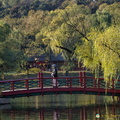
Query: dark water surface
[[62, 107]]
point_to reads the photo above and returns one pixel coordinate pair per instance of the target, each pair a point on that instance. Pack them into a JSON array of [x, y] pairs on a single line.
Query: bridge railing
[[40, 82]]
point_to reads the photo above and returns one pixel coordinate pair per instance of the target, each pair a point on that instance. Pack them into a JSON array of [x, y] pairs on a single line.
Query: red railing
[[80, 83]]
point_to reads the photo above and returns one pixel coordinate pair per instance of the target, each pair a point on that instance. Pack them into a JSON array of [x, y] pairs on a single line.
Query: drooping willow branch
[[66, 49], [69, 23], [70, 51], [111, 49], [75, 28]]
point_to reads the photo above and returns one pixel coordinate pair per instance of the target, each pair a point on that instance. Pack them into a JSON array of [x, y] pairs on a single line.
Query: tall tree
[[67, 28], [103, 53]]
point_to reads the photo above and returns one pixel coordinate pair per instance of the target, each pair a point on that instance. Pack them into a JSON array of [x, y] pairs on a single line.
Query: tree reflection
[[92, 112]]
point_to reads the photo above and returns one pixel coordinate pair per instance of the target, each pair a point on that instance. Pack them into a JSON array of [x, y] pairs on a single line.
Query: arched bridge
[[68, 85]]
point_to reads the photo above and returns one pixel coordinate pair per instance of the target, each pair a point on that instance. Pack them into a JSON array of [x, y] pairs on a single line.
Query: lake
[[62, 107]]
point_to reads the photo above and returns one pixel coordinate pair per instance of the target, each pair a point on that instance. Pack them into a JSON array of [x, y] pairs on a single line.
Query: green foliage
[[66, 27], [113, 10], [34, 70], [19, 8], [8, 3], [107, 45], [4, 31], [103, 20], [102, 53], [67, 66], [10, 54], [86, 36], [82, 29]]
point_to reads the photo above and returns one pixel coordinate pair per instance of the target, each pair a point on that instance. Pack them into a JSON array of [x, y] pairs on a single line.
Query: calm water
[[61, 107]]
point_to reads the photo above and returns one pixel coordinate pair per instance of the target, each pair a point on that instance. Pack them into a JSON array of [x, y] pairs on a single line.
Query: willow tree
[[66, 29], [75, 32], [102, 53], [113, 10], [107, 45]]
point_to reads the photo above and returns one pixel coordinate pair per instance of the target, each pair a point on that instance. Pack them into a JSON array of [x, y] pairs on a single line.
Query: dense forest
[[86, 30], [20, 8]]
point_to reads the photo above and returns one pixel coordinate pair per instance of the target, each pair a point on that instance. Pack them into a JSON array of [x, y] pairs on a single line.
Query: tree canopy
[[86, 30], [10, 54]]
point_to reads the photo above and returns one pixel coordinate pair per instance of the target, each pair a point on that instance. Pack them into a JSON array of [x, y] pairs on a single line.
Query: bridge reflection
[[100, 112]]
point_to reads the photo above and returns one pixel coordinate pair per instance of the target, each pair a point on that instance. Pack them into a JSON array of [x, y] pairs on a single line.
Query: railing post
[[95, 82], [84, 78], [67, 82], [81, 78], [40, 77], [113, 84], [70, 82], [12, 86], [98, 83], [26, 83], [41, 80], [56, 84]]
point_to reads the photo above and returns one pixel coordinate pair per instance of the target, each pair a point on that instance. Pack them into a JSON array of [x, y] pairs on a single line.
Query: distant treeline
[[19, 8]]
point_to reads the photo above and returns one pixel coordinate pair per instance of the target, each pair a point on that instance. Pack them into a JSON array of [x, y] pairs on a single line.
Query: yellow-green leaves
[[106, 47], [4, 30]]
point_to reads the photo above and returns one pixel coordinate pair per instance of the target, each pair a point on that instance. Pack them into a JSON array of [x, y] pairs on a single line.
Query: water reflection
[[83, 113], [36, 109]]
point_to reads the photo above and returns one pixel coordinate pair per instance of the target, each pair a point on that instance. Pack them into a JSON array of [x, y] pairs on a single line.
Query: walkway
[[68, 85]]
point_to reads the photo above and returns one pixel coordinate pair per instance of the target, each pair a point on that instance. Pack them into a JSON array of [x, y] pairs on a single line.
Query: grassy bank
[[34, 72]]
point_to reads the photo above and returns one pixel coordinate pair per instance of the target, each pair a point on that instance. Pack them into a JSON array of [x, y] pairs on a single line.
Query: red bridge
[[68, 85]]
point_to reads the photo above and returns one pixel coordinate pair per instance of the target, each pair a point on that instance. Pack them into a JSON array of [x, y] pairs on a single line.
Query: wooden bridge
[[68, 85]]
